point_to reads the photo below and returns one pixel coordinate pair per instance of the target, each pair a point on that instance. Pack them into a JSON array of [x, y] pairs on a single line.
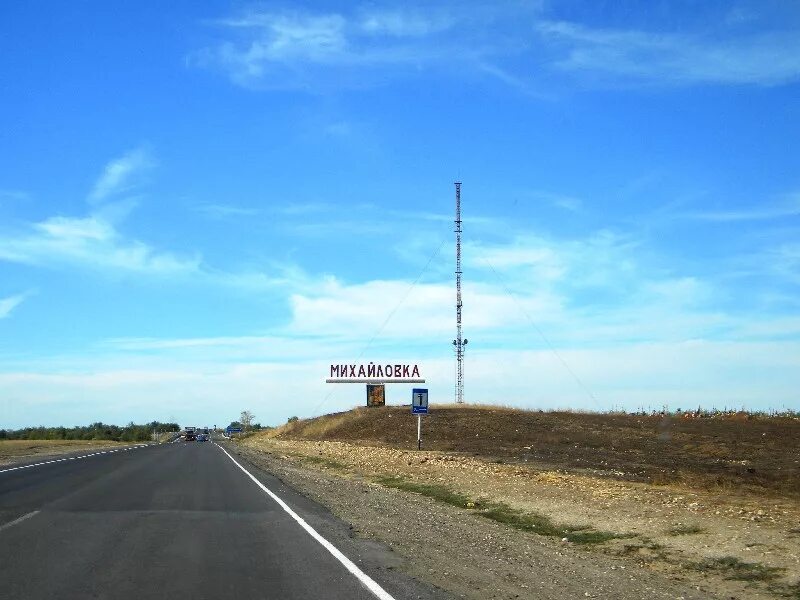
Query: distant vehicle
[[202, 437], [190, 434]]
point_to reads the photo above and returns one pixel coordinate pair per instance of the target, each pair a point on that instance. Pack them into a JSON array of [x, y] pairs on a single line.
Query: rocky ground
[[620, 539]]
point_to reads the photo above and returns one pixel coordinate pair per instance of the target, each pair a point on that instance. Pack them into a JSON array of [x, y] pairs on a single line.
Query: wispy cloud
[[14, 195], [7, 305], [94, 241], [563, 201], [784, 260], [119, 175], [789, 208], [304, 208], [522, 45], [88, 242], [299, 49], [520, 81], [405, 22], [661, 58], [225, 210]]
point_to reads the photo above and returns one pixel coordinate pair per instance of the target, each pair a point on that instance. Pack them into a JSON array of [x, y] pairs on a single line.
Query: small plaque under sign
[[376, 395]]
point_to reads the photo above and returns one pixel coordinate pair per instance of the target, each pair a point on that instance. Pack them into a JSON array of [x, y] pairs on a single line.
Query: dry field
[[703, 508], [12, 451], [760, 454]]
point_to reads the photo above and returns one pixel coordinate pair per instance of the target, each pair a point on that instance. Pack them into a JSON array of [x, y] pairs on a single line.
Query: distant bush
[[292, 419]]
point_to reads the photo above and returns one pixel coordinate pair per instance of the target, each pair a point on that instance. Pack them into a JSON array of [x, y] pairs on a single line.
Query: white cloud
[[396, 310], [302, 49], [789, 208], [683, 374], [680, 374], [768, 58], [405, 22], [504, 40], [659, 341], [221, 211], [94, 241], [784, 261], [7, 305], [518, 81], [88, 242], [118, 175], [602, 259], [274, 40]]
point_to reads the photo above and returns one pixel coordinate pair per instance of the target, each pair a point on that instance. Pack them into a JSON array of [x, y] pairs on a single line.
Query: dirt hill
[[751, 452]]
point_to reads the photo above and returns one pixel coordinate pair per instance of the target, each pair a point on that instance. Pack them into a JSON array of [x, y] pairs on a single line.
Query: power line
[[533, 324], [388, 317]]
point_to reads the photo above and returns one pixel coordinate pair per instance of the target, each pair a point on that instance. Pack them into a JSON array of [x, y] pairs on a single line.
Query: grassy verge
[[731, 567], [437, 492], [502, 513], [325, 462], [787, 591]]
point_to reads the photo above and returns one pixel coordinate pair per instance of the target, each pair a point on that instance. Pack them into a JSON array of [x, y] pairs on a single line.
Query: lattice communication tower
[[459, 342]]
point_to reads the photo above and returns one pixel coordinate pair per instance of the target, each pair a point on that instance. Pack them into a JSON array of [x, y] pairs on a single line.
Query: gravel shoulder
[[670, 545]]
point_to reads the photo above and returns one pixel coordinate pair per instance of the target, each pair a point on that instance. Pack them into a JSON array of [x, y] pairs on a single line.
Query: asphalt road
[[179, 520]]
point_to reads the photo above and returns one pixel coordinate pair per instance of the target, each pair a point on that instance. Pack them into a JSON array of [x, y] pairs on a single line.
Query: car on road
[[203, 437]]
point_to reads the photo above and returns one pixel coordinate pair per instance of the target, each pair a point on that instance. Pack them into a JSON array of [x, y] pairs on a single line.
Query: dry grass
[[732, 568], [20, 449], [685, 530]]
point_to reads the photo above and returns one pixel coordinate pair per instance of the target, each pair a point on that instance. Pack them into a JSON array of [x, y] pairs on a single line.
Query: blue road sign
[[419, 401], [233, 429]]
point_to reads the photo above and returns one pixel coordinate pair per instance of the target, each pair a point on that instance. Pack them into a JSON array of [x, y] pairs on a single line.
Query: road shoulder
[[470, 557], [372, 556]]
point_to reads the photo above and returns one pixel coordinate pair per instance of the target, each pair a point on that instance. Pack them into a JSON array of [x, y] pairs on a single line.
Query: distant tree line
[[253, 427], [95, 431]]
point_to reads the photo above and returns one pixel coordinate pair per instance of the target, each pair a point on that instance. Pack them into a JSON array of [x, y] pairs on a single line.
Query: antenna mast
[[459, 343]]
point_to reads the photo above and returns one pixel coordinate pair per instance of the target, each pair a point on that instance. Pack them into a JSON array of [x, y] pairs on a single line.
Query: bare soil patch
[[738, 452]]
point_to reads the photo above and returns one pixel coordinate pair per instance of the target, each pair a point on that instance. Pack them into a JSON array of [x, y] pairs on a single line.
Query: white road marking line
[[365, 579], [20, 520], [50, 462]]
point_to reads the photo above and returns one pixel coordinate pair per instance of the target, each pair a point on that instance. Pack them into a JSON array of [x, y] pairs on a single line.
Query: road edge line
[[365, 579]]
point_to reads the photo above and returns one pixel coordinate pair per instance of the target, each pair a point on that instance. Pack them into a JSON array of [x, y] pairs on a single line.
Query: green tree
[[246, 418]]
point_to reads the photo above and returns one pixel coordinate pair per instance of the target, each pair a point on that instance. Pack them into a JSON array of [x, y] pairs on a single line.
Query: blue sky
[[203, 205]]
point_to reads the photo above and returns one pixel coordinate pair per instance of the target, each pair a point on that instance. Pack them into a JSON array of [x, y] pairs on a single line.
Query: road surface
[[179, 520]]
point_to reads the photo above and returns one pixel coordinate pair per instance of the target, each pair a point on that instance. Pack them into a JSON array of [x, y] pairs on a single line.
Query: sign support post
[[419, 407]]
